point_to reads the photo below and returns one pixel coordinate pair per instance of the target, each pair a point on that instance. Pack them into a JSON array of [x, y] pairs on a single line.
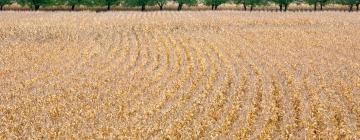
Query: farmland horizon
[[179, 75], [199, 7]]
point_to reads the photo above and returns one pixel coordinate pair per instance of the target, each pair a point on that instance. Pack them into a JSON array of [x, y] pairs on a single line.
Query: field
[[180, 75], [171, 6]]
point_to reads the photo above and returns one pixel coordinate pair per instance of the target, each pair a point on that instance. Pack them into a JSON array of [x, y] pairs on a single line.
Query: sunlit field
[[179, 75]]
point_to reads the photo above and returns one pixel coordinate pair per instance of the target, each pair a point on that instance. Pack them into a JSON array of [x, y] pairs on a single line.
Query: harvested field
[[179, 75]]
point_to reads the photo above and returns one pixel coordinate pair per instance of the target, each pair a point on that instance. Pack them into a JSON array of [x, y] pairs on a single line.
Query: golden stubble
[[179, 75]]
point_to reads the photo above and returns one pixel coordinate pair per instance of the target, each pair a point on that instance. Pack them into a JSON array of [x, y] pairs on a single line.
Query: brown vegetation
[[175, 75]]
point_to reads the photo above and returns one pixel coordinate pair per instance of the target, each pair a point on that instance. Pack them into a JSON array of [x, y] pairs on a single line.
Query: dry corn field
[[179, 75]]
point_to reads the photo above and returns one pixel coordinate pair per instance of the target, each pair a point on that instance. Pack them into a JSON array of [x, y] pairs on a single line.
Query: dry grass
[[185, 75]]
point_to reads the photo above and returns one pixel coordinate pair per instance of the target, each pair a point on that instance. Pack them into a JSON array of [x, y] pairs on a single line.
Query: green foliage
[[5, 2], [74, 3], [312, 2], [185, 2], [283, 4], [349, 3], [346, 2], [139, 3], [315, 3], [160, 3], [107, 3], [251, 3], [243, 2], [254, 3], [323, 3], [238, 1], [214, 3], [35, 4], [135, 3]]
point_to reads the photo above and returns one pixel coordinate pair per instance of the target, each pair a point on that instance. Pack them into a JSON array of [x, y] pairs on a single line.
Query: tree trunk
[[37, 7], [251, 7], [216, 6], [143, 7], [161, 7], [350, 8], [357, 7], [72, 7], [315, 7], [321, 7], [32, 5], [1, 7], [244, 6], [180, 6], [212, 6], [281, 7], [286, 7], [108, 6]]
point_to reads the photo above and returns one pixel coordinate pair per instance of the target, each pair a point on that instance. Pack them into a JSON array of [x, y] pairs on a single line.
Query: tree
[[349, 3], [36, 4], [312, 2], [214, 3], [160, 3], [323, 3], [254, 3], [283, 4], [243, 2], [108, 3], [141, 3], [73, 3], [181, 3], [3, 3]]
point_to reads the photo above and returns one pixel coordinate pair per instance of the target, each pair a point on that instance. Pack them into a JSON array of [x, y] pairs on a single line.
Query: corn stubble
[[173, 75]]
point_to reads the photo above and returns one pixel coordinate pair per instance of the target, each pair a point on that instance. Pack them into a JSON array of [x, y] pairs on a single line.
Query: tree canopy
[[160, 3], [5, 2], [283, 4], [108, 3], [35, 4], [214, 3], [139, 3], [181, 3], [74, 3], [349, 3]]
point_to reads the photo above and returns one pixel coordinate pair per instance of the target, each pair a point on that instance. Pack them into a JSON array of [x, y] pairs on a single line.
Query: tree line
[[214, 4]]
